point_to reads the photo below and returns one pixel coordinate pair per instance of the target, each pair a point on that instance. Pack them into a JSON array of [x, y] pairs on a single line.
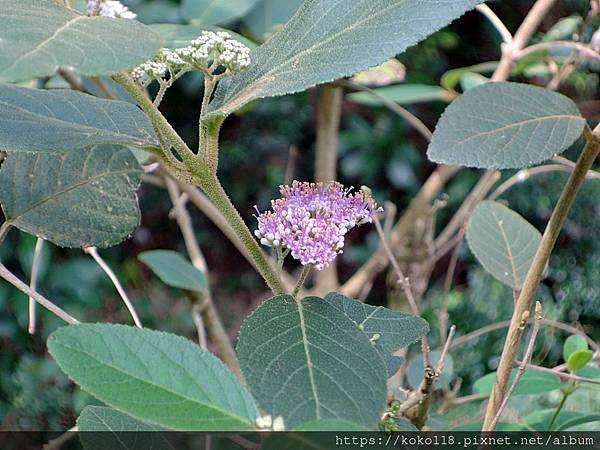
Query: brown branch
[[202, 303], [329, 114], [534, 275], [522, 366], [563, 375]]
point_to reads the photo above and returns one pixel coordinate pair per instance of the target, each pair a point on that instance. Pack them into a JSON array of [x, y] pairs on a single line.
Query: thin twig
[[12, 279], [496, 22], [592, 174], [35, 268], [583, 49], [93, 252], [419, 204], [413, 120], [56, 444], [204, 312], [442, 360], [201, 330], [563, 375], [302, 279], [528, 27], [521, 371], [4, 229], [500, 325]]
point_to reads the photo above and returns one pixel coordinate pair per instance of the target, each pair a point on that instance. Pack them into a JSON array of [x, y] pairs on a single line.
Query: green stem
[[534, 275], [212, 188], [303, 276], [563, 400], [202, 175]]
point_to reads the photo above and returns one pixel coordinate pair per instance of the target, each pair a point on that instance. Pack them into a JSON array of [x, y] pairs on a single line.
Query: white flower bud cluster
[[148, 71], [109, 8], [232, 54], [269, 423], [219, 47]]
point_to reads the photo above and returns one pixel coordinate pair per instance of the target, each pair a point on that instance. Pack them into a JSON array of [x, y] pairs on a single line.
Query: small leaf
[[532, 382], [396, 330], [37, 120], [573, 344], [505, 126], [390, 72], [153, 376], [503, 242], [451, 78], [470, 80], [403, 94], [579, 359], [416, 369], [75, 198], [39, 36], [216, 11], [305, 360], [328, 39], [540, 420], [174, 270]]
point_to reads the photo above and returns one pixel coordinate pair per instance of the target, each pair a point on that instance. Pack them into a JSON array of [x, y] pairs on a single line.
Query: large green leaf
[[403, 94], [305, 360], [216, 11], [270, 14], [540, 420], [174, 270], [76, 198], [395, 329], [39, 36], [329, 39], [153, 376], [532, 382], [37, 120], [503, 242], [505, 125]]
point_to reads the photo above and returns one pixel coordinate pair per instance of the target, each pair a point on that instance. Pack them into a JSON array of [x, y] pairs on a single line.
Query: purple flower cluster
[[311, 220]]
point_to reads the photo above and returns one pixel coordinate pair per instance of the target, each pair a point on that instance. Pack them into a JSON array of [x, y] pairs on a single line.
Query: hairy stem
[[202, 175], [303, 276], [213, 189], [534, 276]]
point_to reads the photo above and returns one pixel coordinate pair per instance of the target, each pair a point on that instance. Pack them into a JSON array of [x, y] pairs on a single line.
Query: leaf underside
[[505, 126], [77, 198], [39, 36], [38, 120], [329, 39], [503, 242]]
